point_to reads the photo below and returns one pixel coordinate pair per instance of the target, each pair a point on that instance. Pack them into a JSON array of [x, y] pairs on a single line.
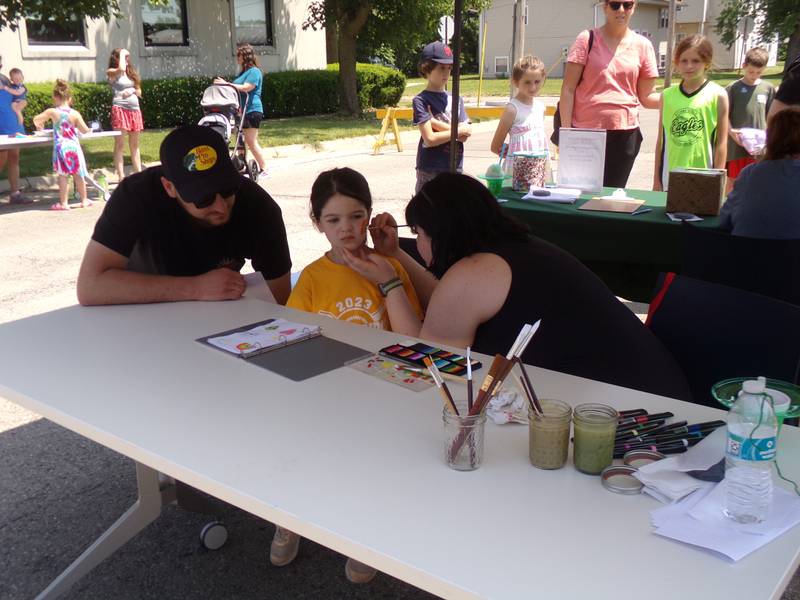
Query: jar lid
[[620, 480], [640, 458]]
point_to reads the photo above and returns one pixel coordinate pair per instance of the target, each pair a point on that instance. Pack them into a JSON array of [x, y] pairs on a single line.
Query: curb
[[359, 144]]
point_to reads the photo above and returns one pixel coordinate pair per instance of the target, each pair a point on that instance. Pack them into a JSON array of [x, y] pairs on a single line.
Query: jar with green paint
[[595, 427]]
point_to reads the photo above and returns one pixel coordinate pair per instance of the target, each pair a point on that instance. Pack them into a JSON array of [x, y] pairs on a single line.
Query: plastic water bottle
[[750, 451]]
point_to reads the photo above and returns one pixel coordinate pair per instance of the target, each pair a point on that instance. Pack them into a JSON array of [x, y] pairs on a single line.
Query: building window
[[501, 65], [165, 24], [253, 22], [663, 18], [46, 32]]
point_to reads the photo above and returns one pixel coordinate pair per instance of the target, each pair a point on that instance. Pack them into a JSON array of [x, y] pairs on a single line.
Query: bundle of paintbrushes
[[498, 371], [638, 430]]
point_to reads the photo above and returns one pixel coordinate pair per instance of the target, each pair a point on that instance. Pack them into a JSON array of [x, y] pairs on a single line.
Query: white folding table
[[355, 463], [12, 142]]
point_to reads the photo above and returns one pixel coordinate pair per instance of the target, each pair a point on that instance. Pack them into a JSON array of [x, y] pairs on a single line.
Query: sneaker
[[18, 198], [284, 547], [262, 176], [358, 572]]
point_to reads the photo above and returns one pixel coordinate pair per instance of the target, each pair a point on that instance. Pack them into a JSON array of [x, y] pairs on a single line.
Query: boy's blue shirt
[[18, 86], [428, 105]]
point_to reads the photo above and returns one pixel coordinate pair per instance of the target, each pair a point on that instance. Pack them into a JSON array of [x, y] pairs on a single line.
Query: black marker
[[646, 418]]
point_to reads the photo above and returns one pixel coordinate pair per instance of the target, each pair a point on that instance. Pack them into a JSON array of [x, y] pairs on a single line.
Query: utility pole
[[670, 42], [517, 38], [458, 15]]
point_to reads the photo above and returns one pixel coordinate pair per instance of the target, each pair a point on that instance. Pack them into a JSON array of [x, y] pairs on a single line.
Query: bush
[[172, 102]]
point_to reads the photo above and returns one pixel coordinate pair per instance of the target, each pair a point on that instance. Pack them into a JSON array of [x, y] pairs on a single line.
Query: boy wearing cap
[[433, 115], [182, 230]]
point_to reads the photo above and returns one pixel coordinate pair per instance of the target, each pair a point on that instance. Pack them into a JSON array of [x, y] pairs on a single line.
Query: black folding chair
[[716, 332], [765, 266]]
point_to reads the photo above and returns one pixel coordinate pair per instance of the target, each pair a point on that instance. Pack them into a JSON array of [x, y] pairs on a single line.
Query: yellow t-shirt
[[337, 291]]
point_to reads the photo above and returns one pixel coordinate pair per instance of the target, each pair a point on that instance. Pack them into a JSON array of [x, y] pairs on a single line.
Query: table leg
[[146, 509]]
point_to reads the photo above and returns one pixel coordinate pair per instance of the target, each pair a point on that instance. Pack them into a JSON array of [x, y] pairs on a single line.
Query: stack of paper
[[559, 195]]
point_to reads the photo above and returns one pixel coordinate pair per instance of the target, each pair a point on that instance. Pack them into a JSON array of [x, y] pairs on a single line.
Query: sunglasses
[[208, 200], [628, 5]]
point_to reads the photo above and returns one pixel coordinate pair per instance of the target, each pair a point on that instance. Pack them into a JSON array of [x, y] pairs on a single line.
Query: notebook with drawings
[[275, 345]]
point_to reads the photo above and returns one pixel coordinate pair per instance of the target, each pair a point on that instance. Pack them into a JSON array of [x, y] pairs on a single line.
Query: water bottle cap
[[754, 386]]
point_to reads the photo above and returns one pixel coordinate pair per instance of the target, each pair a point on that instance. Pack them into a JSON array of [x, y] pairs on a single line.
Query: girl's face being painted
[[691, 66], [344, 222]]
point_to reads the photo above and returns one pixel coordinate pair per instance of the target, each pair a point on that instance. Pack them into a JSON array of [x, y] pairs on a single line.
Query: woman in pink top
[[605, 85]]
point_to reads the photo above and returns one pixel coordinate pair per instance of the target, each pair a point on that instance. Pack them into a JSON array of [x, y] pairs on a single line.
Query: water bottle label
[[751, 449]]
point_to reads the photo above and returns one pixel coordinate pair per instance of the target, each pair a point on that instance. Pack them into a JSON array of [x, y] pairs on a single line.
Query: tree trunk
[[332, 43], [350, 24]]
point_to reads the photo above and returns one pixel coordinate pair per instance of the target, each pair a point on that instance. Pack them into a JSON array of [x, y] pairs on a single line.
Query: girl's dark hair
[[462, 218], [344, 181], [783, 134], [248, 56], [130, 70]]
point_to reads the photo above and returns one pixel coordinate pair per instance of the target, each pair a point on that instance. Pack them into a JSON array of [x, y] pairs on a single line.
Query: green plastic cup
[[495, 185]]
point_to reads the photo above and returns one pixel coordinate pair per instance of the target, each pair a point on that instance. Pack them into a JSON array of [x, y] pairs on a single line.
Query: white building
[[183, 38]]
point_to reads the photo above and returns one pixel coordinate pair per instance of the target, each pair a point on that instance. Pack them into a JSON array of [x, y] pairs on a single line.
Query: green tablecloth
[[626, 251]]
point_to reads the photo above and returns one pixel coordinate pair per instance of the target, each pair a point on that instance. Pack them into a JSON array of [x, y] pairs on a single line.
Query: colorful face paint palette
[[447, 362]]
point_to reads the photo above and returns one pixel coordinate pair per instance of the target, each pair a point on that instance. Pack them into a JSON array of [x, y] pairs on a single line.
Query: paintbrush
[[441, 385], [469, 380], [533, 400]]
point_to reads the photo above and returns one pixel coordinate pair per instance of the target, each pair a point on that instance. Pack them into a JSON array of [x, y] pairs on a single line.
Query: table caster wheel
[[214, 535]]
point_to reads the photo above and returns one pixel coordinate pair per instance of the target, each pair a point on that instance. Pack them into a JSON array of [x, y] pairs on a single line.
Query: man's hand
[[219, 284]]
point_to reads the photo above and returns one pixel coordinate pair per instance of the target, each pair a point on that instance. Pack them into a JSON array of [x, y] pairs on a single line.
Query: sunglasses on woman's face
[[616, 5]]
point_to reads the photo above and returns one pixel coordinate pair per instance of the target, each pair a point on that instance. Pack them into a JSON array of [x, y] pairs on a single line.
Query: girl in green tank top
[[693, 121]]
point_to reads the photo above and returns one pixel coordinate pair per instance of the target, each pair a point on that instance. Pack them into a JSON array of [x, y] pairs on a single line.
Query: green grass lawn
[[274, 132], [552, 87]]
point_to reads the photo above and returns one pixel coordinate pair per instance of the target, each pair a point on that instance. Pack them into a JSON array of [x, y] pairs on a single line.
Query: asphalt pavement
[[59, 491]]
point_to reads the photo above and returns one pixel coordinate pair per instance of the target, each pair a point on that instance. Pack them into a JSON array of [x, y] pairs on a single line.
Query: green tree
[[770, 18], [385, 25]]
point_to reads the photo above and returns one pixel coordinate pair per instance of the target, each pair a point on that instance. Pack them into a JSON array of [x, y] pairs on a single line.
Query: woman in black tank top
[[487, 276]]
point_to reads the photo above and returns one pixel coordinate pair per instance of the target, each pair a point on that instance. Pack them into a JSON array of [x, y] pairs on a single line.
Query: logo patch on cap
[[200, 158]]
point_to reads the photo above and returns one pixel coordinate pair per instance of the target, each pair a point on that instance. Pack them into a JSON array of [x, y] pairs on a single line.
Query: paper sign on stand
[[581, 158]]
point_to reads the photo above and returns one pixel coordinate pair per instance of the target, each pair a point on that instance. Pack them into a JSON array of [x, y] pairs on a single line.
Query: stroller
[[220, 104]]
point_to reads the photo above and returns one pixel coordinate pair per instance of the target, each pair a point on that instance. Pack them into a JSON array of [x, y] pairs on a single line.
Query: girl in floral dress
[[67, 153]]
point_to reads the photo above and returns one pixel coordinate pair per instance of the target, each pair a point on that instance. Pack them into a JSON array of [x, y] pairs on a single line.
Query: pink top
[[606, 97]]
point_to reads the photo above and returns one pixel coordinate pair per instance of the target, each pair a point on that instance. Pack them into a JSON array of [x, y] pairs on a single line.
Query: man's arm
[[104, 279], [281, 287]]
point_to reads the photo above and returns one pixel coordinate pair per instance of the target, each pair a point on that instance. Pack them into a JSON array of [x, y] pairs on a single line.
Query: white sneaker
[[262, 176]]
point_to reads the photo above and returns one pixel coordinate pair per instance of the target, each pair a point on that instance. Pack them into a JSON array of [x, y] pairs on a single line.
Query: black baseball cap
[[195, 160], [438, 52]]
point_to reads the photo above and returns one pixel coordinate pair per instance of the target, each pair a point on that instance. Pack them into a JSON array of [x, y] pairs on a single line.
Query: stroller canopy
[[220, 95]]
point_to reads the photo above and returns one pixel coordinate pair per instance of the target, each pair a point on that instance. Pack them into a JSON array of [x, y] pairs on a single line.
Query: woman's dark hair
[[344, 181], [248, 56], [462, 218], [783, 134], [130, 70]]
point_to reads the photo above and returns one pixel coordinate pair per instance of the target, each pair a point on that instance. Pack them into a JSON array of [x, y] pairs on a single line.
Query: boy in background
[[749, 99], [19, 91], [433, 115]]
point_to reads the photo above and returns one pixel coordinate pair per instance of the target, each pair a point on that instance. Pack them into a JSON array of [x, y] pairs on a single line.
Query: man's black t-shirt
[[158, 236]]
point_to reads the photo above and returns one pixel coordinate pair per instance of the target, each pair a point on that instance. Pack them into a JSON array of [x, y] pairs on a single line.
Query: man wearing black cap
[[182, 230]]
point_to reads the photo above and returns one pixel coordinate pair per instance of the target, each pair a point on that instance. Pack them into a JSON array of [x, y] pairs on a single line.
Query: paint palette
[[447, 362]]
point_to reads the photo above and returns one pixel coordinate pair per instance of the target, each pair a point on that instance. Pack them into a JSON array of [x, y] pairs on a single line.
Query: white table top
[[10, 143], [356, 464]]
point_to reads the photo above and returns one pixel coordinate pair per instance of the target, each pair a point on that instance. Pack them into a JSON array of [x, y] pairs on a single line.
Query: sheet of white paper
[[581, 158], [725, 538], [557, 194]]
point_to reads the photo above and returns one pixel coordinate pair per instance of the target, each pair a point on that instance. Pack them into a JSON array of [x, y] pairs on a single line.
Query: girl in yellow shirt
[[341, 205]]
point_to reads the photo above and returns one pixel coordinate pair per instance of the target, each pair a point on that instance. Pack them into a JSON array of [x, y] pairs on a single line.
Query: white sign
[[581, 158], [446, 27]]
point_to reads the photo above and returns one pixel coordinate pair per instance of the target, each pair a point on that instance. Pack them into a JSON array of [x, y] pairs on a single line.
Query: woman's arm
[[572, 77], [14, 92], [648, 97], [721, 137], [503, 127], [658, 185]]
